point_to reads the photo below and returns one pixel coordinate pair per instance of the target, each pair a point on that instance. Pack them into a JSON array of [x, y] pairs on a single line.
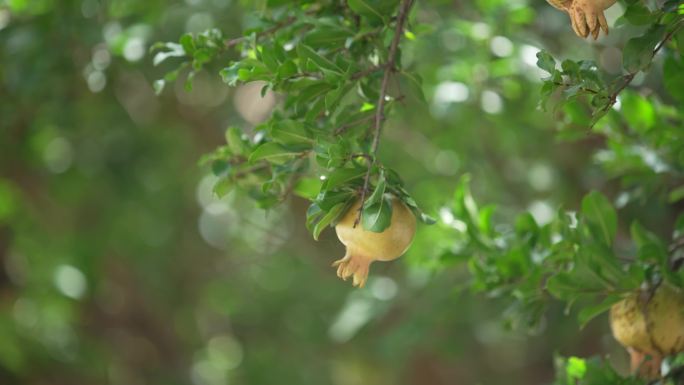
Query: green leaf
[[291, 132], [673, 70], [575, 369], [333, 98], [408, 199], [230, 74], [311, 93], [308, 188], [638, 111], [236, 144], [327, 37], [343, 176], [220, 167], [638, 51], [676, 195], [269, 58], [415, 84], [378, 217], [326, 199], [222, 187], [273, 153], [188, 44], [678, 227], [375, 10], [172, 50], [639, 14], [287, 69], [313, 214], [328, 218], [307, 52], [570, 286], [590, 312], [465, 207], [9, 201], [641, 236], [546, 62], [600, 215], [377, 193]]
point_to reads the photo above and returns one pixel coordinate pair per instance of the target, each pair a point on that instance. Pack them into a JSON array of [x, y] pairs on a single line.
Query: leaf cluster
[[571, 258], [325, 61]]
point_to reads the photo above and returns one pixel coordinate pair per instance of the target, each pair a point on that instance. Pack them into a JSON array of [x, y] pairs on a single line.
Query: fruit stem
[[389, 68]]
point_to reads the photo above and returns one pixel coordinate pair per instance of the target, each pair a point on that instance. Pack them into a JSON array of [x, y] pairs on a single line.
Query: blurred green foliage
[[123, 262]]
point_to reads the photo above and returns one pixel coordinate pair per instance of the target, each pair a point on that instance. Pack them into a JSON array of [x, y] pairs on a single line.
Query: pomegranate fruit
[[364, 247], [586, 16], [650, 325]]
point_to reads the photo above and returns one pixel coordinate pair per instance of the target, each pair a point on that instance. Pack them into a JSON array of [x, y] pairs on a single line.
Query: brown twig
[[389, 68]]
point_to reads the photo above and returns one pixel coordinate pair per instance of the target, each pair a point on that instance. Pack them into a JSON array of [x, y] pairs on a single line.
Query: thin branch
[[250, 170], [341, 129], [355, 76], [627, 79], [584, 89], [278, 26], [389, 68], [676, 244], [368, 71], [285, 23]]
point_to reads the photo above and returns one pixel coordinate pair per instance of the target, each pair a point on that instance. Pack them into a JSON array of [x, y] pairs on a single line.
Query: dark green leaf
[[272, 153], [375, 10], [546, 62], [308, 188], [306, 52], [222, 187], [600, 215], [378, 217], [291, 132], [343, 176], [639, 14], [638, 51], [236, 144], [230, 74], [377, 193], [590, 312], [676, 195], [328, 218]]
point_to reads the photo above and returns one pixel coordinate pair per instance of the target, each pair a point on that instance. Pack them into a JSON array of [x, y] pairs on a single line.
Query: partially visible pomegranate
[[364, 247], [651, 326], [586, 16]]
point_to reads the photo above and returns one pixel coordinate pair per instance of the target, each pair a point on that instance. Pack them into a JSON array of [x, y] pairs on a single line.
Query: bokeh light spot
[[70, 281]]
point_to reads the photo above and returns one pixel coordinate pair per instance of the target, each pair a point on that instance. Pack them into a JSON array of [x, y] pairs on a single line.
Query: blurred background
[[118, 266]]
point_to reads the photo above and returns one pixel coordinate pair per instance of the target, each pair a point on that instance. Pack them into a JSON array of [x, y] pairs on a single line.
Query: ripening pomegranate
[[364, 247], [586, 16], [650, 325]]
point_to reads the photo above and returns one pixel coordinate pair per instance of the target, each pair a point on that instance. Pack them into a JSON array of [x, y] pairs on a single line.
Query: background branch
[[630, 76]]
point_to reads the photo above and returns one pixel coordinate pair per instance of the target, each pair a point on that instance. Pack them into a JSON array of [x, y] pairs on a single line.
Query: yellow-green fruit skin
[[652, 325], [666, 313], [385, 246], [628, 324]]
